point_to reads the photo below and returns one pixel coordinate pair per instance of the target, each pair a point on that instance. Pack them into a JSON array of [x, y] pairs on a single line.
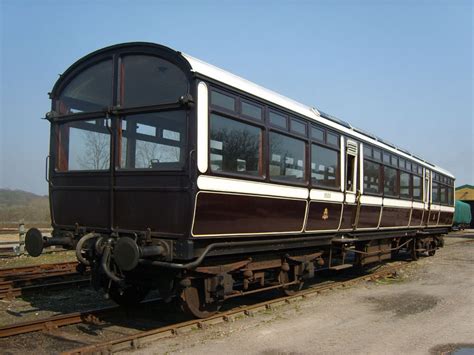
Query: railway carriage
[[168, 173]]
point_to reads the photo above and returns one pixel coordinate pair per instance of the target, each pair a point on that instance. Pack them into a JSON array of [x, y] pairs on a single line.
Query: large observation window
[[450, 196], [287, 158], [443, 196], [147, 80], [405, 188], [152, 141], [390, 181], [371, 177], [89, 91], [83, 145], [235, 147], [435, 192], [324, 166], [416, 187]]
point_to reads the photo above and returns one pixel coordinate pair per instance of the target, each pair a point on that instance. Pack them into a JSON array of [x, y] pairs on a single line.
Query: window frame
[[305, 159], [225, 93], [370, 193], [262, 173], [323, 144], [433, 201], [271, 110], [410, 185], [397, 182], [338, 167], [413, 187], [305, 125], [56, 144], [56, 100], [117, 163], [395, 161], [251, 102]]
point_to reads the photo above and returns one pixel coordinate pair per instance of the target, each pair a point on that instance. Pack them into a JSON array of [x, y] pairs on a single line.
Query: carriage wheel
[[415, 255], [193, 301], [290, 290], [432, 251]]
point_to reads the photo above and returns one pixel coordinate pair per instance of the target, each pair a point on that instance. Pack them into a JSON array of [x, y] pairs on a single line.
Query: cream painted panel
[[214, 183], [325, 195], [202, 128]]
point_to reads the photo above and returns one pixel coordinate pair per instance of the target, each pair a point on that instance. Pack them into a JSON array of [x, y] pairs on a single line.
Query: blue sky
[[400, 69]]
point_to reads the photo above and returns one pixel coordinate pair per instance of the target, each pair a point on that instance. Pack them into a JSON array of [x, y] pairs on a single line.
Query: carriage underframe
[[222, 271]]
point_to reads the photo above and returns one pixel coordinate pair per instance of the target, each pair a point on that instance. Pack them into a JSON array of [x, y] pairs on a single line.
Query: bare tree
[[238, 145], [96, 154]]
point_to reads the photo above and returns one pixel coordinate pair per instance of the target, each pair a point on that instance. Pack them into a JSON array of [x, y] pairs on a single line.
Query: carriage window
[[298, 127], [416, 187], [222, 100], [89, 91], [394, 161], [390, 181], [277, 119], [377, 154], [443, 197], [317, 134], [405, 185], [434, 192], [450, 196], [324, 166], [235, 147], [152, 141], [371, 177], [401, 163], [287, 158], [251, 110], [332, 139], [83, 145], [367, 151], [148, 80]]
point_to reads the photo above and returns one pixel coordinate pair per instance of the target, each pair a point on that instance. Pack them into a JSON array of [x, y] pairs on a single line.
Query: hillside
[[17, 205]]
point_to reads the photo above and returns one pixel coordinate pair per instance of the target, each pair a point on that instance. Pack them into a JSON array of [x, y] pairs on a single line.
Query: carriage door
[[351, 168], [426, 196], [350, 179]]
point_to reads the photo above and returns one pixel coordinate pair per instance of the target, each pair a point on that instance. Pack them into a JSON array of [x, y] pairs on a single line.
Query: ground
[[428, 309]]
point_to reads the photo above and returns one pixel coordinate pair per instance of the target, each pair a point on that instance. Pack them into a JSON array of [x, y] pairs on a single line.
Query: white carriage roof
[[313, 113]]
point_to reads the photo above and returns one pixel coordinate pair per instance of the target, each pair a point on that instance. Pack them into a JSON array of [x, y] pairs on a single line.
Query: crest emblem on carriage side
[[325, 214]]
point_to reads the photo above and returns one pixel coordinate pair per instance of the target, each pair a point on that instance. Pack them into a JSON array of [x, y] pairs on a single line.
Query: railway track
[[140, 338], [17, 281]]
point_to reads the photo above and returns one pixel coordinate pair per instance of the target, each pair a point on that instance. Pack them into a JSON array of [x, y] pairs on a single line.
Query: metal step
[[341, 267]]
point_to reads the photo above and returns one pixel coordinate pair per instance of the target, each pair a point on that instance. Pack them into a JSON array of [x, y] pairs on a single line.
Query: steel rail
[[94, 316], [13, 292], [142, 338], [18, 281], [91, 316], [39, 268]]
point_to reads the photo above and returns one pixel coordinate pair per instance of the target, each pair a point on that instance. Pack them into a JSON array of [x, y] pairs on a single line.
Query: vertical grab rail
[[46, 173]]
